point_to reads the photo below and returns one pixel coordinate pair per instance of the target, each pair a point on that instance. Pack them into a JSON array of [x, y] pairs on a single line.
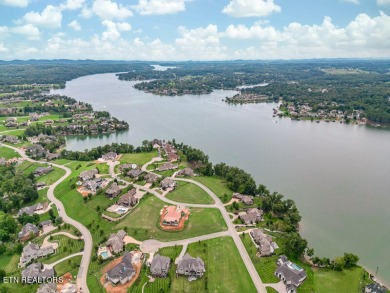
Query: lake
[[338, 174]]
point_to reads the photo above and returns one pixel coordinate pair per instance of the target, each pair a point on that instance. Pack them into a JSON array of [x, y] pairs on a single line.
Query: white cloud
[[50, 17], [251, 8], [200, 43], [28, 30], [106, 9], [159, 7], [75, 25], [86, 13], [362, 37], [3, 49], [113, 29], [383, 2], [16, 3], [72, 4], [352, 1]]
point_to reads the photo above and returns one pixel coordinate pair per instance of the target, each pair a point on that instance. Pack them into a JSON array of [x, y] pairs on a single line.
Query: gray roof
[[113, 189], [47, 288], [128, 198], [167, 166], [291, 275], [186, 172], [160, 265], [375, 288], [88, 174], [35, 271], [190, 264], [122, 270], [165, 183], [116, 241], [28, 228], [150, 177], [134, 173], [46, 223]]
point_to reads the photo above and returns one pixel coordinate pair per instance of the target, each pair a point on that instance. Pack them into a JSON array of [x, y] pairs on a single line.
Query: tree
[[338, 263], [295, 245], [350, 260]]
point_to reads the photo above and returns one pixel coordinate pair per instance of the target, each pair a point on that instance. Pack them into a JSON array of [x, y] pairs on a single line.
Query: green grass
[[346, 281], [189, 193], [70, 265], [271, 290], [143, 222], [8, 153], [216, 185], [225, 270], [51, 177], [9, 263], [138, 158]]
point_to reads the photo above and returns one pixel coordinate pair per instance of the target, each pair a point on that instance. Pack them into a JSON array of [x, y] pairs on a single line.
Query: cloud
[[159, 7], [50, 17], [383, 2], [106, 9], [28, 30], [16, 3], [86, 13], [251, 8], [75, 25], [72, 4], [363, 37], [352, 1], [3, 49], [113, 29]]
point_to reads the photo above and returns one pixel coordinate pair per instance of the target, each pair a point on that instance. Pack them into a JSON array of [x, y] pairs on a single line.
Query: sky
[[170, 30]]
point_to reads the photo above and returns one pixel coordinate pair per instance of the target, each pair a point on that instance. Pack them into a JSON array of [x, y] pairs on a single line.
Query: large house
[[194, 268], [36, 151], [245, 199], [167, 183], [151, 178], [35, 273], [113, 190], [266, 245], [110, 156], [115, 242], [42, 171], [32, 209], [134, 173], [94, 184], [128, 199], [127, 167], [32, 251], [160, 266], [88, 174], [252, 216], [188, 172], [167, 166], [122, 272], [172, 216], [291, 274], [28, 231]]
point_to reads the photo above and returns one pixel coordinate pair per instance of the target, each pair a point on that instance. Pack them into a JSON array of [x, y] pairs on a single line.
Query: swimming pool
[[295, 267], [104, 254]]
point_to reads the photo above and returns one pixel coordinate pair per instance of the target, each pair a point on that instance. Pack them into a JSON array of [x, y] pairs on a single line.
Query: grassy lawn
[[8, 153], [217, 185], [143, 222], [9, 263], [271, 290], [51, 177], [225, 270], [346, 281], [138, 158], [189, 193], [70, 265]]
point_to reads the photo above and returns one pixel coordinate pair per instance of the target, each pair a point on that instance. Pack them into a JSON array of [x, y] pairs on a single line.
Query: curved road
[[231, 230], [82, 275]]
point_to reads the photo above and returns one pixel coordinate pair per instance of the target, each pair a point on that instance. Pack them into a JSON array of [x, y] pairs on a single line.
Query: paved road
[[52, 265], [231, 230], [82, 275]]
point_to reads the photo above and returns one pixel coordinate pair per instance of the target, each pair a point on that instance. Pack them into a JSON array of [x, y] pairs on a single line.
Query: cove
[[338, 174]]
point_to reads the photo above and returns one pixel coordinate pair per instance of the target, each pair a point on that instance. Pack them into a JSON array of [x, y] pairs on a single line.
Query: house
[[33, 251], [36, 151], [35, 273], [40, 184], [265, 243], [247, 200], [172, 157], [291, 274], [42, 171], [11, 139], [110, 156], [122, 272], [172, 216], [167, 183], [194, 268], [124, 167], [375, 288], [28, 231], [151, 178], [113, 190], [160, 266], [156, 143], [134, 173], [51, 156], [115, 242], [88, 174], [188, 172], [167, 166], [252, 216], [32, 209], [128, 199], [69, 288], [46, 223], [93, 185]]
